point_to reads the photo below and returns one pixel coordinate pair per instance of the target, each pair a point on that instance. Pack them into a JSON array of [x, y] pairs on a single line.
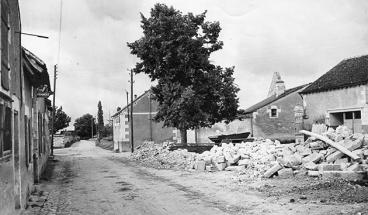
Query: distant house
[[275, 116], [340, 97], [144, 128]]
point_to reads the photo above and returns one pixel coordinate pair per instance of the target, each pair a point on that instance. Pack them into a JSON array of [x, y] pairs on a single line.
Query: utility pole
[[150, 115], [131, 112], [53, 112], [127, 103]]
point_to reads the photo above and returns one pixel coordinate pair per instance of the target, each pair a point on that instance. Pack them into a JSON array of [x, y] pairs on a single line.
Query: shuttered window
[[7, 129], [5, 44]]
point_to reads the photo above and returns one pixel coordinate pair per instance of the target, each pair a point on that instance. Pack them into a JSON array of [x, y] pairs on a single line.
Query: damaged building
[[339, 97]]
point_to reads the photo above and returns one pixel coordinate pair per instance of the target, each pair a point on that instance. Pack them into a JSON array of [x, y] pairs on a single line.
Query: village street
[[85, 179]]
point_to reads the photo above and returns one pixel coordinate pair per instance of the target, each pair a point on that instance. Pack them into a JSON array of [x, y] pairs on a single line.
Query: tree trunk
[[183, 136]]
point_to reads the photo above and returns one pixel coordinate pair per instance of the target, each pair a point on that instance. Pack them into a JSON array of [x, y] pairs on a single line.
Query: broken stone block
[[207, 160], [341, 161], [285, 173], [365, 153], [244, 156], [329, 167], [293, 160], [228, 156], [235, 159], [330, 151], [347, 175], [317, 145], [244, 163], [310, 166], [300, 173], [221, 166], [359, 152], [200, 165], [355, 167], [209, 168], [312, 173], [350, 145], [315, 158], [220, 159], [305, 152], [270, 172]]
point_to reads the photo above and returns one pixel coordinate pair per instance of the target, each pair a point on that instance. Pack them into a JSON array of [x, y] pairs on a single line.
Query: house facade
[[24, 115], [276, 117], [144, 128], [340, 97]]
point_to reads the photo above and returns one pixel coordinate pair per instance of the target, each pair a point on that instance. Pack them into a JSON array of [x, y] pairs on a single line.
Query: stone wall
[[282, 126], [319, 105]]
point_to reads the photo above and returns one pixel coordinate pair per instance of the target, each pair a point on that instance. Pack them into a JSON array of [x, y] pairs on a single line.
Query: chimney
[[135, 96], [279, 87]]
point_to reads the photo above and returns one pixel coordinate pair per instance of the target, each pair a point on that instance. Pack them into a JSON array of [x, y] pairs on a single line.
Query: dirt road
[[85, 179]]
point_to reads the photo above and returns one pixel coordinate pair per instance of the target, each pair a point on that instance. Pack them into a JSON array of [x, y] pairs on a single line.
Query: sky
[[300, 39]]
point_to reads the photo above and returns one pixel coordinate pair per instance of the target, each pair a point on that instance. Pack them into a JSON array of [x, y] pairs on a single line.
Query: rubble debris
[[323, 154], [332, 143]]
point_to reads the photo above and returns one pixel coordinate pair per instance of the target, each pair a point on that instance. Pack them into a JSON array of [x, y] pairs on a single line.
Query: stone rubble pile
[[159, 155], [266, 158]]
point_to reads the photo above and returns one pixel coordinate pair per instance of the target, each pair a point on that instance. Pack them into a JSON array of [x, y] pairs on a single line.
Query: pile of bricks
[[317, 158], [266, 158]]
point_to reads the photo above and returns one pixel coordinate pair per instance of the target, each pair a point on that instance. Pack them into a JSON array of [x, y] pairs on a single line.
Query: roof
[[118, 112], [348, 73], [272, 99], [35, 69]]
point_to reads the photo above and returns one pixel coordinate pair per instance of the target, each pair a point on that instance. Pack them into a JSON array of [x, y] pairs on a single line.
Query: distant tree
[[62, 120], [100, 120], [107, 131], [174, 51], [83, 126]]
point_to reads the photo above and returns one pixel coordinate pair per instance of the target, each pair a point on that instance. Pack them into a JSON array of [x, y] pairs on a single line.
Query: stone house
[[340, 97], [273, 117], [144, 109], [24, 139], [276, 117]]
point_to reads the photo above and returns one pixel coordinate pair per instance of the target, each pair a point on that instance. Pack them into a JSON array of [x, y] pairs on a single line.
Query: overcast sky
[[300, 39]]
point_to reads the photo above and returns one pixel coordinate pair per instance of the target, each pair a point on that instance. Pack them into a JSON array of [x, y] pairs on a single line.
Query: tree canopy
[[62, 120], [175, 51], [83, 126], [100, 120]]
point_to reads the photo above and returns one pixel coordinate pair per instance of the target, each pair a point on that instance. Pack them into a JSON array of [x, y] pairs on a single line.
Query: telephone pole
[[53, 112], [131, 112]]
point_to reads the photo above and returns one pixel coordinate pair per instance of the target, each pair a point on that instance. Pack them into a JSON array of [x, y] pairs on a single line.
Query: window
[[7, 130], [117, 120], [349, 115], [5, 27], [27, 140], [273, 112], [357, 115]]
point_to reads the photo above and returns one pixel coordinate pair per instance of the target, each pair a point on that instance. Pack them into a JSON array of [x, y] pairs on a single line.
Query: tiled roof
[[35, 69], [118, 112], [348, 73], [271, 99]]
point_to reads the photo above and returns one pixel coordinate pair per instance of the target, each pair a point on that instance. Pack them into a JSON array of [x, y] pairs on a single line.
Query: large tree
[[84, 126], [100, 121], [174, 51], [62, 120]]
